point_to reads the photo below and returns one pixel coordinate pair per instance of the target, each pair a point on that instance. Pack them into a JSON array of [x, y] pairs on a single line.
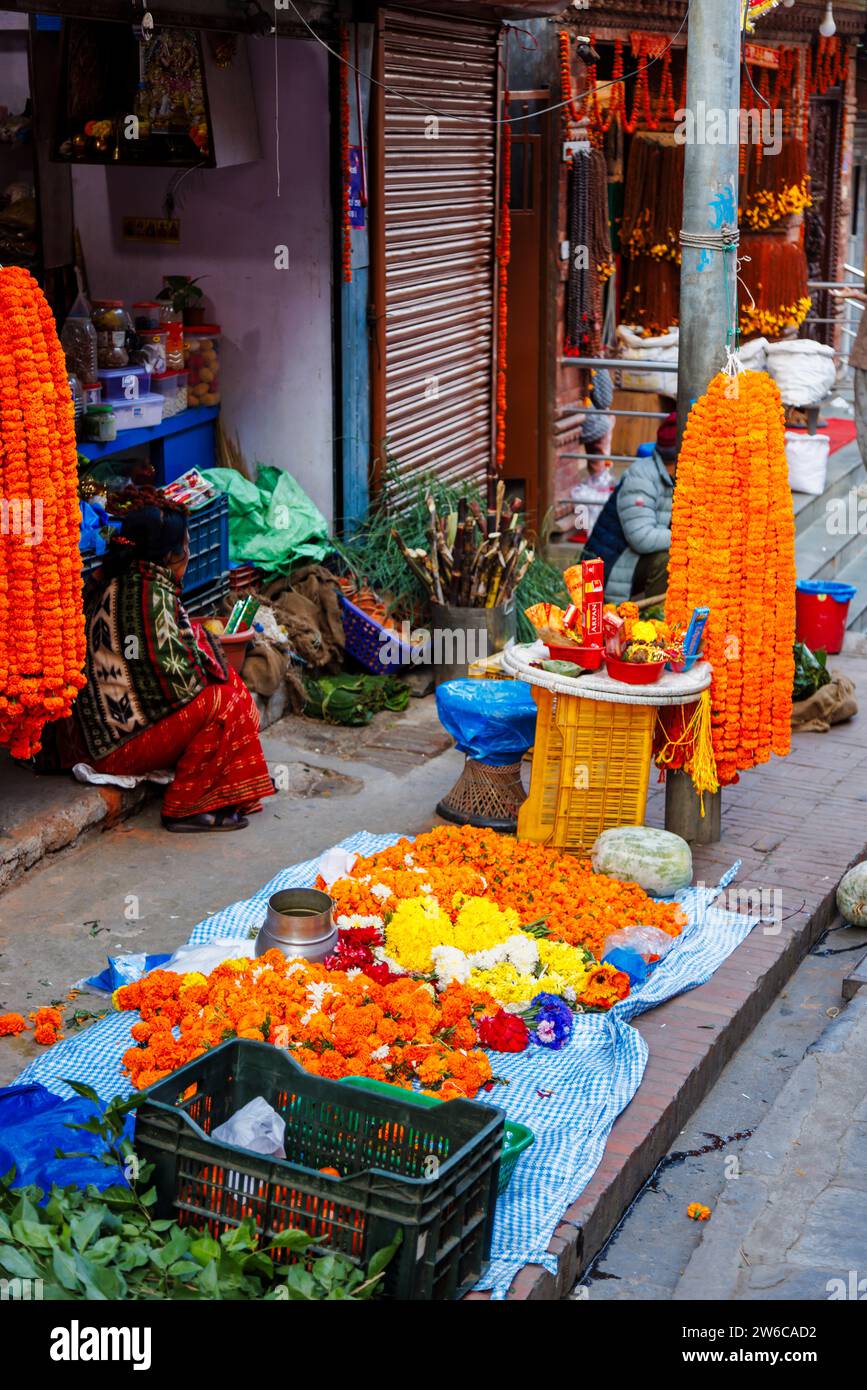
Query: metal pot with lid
[[298, 923]]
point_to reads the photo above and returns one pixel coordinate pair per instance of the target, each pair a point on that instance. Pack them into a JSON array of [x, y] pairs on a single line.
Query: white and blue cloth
[[569, 1098]]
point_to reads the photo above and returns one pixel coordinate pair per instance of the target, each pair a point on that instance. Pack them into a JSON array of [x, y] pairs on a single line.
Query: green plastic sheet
[[272, 522]]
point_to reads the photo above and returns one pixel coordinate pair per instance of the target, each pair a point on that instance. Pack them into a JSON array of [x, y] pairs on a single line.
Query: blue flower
[[553, 1021]]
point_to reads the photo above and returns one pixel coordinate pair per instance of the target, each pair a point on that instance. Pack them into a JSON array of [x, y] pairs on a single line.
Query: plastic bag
[[272, 522], [631, 949], [33, 1127], [257, 1127], [807, 458], [493, 722], [804, 370]]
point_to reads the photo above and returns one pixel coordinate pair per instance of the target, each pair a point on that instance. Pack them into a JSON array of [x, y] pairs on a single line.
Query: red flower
[[503, 1032]]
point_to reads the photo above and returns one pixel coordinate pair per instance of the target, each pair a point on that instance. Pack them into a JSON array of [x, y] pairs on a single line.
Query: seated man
[[633, 533]]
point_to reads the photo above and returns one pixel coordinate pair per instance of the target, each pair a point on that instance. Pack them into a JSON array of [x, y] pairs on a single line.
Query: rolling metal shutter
[[437, 238]]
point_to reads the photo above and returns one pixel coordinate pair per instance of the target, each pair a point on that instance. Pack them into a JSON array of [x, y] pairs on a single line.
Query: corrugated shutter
[[438, 235]]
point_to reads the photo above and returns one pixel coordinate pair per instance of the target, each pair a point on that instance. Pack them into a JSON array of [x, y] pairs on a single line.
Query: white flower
[[450, 964], [409, 861], [490, 958], [317, 993], [569, 994], [353, 973], [381, 891], [357, 920], [380, 958], [426, 887], [381, 1052], [523, 952]]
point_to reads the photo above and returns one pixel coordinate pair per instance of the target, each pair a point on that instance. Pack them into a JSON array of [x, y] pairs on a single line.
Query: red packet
[[593, 576]]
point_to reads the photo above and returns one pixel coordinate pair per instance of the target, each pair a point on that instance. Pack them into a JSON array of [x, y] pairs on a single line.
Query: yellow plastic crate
[[489, 668], [590, 771]]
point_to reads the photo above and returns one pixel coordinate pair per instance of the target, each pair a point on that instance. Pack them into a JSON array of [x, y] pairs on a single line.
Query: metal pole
[[710, 204]]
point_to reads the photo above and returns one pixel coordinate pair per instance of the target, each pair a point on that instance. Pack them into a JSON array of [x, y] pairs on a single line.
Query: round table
[[593, 748]]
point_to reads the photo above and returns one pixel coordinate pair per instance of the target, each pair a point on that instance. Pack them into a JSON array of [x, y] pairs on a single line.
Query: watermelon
[[852, 896], [659, 862]]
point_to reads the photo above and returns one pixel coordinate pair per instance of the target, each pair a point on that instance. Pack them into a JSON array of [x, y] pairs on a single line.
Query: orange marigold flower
[[11, 1025], [696, 1211]]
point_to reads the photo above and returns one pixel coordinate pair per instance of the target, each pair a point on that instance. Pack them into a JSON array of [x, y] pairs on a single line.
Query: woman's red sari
[[213, 746]]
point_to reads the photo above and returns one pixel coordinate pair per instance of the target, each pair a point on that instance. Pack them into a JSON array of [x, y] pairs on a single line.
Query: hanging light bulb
[[787, 4], [828, 28]]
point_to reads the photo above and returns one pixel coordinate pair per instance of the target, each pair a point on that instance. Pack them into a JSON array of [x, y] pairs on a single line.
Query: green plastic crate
[[431, 1173], [516, 1137]]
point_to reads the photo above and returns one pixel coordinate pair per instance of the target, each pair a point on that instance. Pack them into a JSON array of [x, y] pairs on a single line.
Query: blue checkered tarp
[[570, 1099]]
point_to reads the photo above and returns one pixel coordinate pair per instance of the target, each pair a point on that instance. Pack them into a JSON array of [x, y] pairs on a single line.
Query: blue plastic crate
[[208, 599], [209, 544], [364, 641]]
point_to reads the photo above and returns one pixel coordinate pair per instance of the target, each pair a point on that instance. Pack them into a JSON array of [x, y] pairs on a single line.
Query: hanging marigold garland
[[41, 617], [773, 273], [345, 161], [733, 550], [504, 255]]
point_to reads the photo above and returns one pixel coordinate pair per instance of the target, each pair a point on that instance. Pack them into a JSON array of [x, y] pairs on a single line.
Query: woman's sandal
[[228, 818]]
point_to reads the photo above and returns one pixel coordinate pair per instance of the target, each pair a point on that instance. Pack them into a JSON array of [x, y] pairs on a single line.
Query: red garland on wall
[[504, 253], [344, 153]]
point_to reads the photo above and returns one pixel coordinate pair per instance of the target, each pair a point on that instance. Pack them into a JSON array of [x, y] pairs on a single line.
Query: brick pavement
[[797, 824]]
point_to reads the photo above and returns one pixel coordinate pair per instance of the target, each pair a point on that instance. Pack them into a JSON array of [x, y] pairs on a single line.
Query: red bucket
[[821, 612]]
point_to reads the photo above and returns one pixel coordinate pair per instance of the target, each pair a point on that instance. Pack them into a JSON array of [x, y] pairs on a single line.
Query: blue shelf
[[189, 419]]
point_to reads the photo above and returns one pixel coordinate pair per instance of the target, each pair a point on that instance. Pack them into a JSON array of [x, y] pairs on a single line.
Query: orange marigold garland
[[733, 550], [42, 643]]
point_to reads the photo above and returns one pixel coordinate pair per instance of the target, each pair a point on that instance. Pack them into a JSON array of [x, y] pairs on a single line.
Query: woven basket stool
[[484, 796]]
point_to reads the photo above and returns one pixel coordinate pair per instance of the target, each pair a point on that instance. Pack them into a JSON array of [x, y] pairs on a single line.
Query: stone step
[[855, 572], [845, 471], [820, 553]]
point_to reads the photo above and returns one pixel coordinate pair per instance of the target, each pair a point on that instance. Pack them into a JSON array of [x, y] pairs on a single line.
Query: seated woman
[[159, 693]]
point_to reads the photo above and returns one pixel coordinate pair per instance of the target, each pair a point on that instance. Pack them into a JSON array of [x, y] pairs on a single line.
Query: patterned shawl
[[143, 660]]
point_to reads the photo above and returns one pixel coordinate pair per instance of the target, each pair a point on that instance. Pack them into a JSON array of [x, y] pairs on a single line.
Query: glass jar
[[92, 393], [183, 378], [77, 394], [202, 355], [155, 343], [173, 321], [112, 323], [100, 424]]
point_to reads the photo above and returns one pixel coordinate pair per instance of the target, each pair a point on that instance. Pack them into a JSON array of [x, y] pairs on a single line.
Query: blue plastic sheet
[[493, 722], [93, 517], [33, 1127], [122, 970]]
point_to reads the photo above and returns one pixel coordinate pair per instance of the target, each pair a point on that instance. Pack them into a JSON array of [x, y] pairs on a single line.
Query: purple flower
[[553, 1020]]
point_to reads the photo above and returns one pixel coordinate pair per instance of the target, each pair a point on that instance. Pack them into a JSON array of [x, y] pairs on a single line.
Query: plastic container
[[588, 658], [516, 1138], [183, 390], [205, 599], [124, 383], [208, 531], [165, 384], [92, 393], [100, 424], [112, 323], [141, 414], [590, 771], [146, 314], [78, 338], [634, 672], [821, 613], [382, 1145], [366, 640], [202, 361], [172, 320], [155, 345]]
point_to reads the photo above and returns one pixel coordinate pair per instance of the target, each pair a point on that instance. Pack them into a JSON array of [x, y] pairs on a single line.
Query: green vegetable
[[811, 671], [656, 860], [88, 1244], [354, 699], [561, 668]]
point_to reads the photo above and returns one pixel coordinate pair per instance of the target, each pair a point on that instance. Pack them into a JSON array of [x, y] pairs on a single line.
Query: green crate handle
[[516, 1139]]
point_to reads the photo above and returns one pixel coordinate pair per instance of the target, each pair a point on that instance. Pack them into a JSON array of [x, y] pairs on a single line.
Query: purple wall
[[277, 324]]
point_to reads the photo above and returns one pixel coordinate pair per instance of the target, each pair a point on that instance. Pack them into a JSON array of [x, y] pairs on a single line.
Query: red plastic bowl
[[588, 658], [634, 672]]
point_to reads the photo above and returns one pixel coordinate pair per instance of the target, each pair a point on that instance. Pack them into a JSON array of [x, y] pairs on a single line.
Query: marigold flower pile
[[41, 617], [579, 907], [334, 1024], [733, 550]]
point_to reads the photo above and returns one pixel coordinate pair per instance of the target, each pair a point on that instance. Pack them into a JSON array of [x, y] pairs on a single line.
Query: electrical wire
[[745, 65], [475, 120]]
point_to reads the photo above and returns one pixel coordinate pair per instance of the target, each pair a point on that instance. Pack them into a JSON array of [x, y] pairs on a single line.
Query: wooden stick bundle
[[473, 559]]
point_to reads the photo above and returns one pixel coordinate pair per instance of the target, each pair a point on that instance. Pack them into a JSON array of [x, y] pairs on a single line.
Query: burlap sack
[[833, 704]]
